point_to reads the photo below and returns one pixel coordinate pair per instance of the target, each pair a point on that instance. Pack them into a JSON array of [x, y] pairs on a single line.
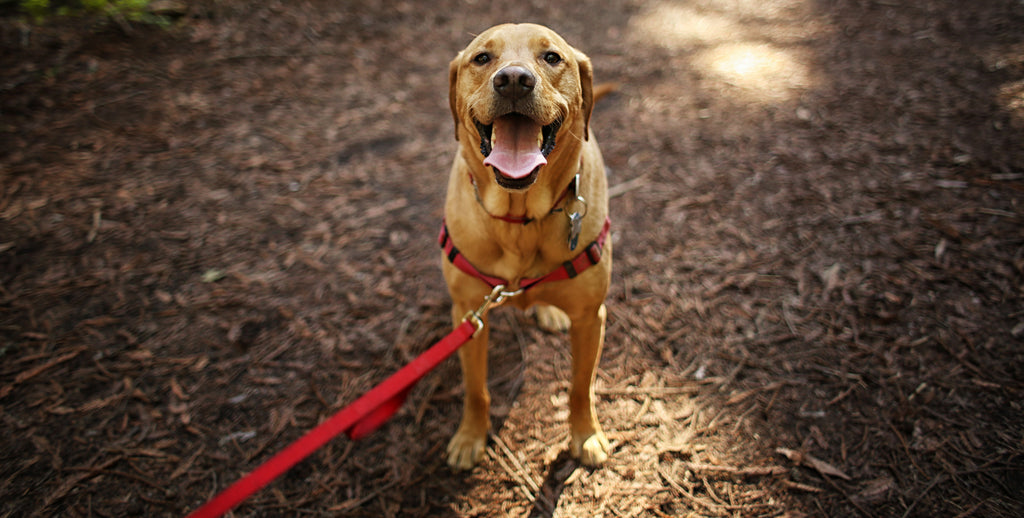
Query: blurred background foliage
[[155, 12]]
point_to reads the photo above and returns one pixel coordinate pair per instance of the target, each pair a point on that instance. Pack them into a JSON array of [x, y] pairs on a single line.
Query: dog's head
[[526, 95]]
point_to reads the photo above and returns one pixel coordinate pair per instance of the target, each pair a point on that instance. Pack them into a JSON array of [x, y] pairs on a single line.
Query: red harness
[[590, 256]]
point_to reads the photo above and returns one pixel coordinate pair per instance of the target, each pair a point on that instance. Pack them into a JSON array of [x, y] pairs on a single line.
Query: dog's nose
[[513, 82]]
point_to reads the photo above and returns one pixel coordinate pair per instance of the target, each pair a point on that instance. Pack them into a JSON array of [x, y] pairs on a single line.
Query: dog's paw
[[465, 450], [552, 319], [592, 450]]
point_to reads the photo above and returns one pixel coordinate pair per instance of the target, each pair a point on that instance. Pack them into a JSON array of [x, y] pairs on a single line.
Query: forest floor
[[215, 235]]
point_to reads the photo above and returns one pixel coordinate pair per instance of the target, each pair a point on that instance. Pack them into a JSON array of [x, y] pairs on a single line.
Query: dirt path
[[213, 237]]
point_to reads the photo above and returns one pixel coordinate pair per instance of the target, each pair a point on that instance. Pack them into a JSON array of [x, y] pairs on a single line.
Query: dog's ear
[[453, 79], [586, 89]]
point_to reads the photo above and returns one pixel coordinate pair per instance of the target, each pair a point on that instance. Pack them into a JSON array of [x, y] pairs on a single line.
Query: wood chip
[[812, 462]]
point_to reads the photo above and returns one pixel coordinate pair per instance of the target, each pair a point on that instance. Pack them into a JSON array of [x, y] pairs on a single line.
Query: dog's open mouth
[[516, 147]]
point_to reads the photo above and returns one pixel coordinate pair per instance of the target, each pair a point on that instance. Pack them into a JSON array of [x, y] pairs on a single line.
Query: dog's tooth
[[540, 138]]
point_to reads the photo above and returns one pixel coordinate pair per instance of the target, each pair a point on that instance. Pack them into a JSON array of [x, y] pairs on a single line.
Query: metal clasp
[[575, 218], [496, 297]]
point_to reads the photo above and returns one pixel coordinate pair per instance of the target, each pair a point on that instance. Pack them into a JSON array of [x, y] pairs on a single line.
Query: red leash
[[358, 419], [375, 407]]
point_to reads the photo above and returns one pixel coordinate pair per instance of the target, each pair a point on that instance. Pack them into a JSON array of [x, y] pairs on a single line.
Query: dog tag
[[575, 227]]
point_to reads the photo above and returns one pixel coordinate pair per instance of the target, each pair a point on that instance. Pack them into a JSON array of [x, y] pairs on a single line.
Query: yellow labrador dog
[[526, 212]]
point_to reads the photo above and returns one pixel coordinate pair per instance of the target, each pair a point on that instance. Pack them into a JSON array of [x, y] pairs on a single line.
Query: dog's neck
[[537, 202], [571, 189]]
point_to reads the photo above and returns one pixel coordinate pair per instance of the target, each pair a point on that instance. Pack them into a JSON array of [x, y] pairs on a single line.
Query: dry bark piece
[[813, 462]]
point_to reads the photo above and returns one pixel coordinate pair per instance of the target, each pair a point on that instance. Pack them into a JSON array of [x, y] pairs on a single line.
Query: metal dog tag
[[575, 227]]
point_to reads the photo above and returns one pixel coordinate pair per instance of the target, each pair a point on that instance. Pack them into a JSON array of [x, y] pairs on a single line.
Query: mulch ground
[[215, 235]]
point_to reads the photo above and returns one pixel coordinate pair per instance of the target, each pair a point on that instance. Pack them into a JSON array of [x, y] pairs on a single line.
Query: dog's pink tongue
[[515, 152]]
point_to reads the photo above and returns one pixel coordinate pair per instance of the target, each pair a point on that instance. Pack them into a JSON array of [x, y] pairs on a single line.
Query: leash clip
[[575, 218], [496, 297]]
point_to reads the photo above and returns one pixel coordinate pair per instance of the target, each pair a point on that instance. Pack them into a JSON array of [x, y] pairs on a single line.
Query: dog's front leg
[[467, 446], [588, 442]]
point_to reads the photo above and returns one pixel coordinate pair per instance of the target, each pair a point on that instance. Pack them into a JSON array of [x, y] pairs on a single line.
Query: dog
[[526, 194]]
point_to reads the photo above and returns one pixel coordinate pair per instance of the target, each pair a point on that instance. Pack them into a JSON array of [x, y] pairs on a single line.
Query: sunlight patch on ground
[[1011, 96], [678, 26], [764, 71], [745, 45]]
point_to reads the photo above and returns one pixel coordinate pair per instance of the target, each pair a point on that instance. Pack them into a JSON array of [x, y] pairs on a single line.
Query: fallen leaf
[[812, 462]]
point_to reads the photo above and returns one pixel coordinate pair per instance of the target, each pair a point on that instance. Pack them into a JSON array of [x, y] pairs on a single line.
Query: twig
[[710, 505], [627, 186], [970, 511], [679, 489], [37, 370], [73, 481], [508, 469], [802, 487], [741, 396], [122, 474], [906, 448], [648, 391], [850, 499], [352, 504], [711, 492], [811, 461], [935, 481], [522, 472], [187, 464], [755, 471], [644, 407]]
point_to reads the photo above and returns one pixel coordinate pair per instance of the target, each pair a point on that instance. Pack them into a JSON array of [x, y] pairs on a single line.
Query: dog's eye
[[482, 58], [552, 58]]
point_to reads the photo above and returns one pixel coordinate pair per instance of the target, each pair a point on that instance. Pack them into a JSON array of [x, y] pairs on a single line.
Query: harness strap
[[590, 256], [456, 258]]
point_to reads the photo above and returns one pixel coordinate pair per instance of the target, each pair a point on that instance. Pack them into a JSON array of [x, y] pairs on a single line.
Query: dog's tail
[[604, 89]]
